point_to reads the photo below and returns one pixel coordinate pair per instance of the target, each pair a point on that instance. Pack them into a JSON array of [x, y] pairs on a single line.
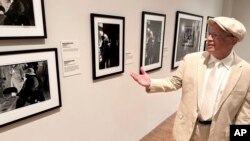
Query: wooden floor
[[162, 132]]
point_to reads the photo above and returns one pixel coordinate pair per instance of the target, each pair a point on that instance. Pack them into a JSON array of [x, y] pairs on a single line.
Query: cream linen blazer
[[234, 105]]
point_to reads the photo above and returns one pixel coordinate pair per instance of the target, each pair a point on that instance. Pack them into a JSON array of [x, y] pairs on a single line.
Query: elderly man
[[215, 86]]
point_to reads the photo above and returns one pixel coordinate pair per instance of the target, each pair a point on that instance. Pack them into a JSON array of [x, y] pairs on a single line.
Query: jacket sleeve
[[168, 84]]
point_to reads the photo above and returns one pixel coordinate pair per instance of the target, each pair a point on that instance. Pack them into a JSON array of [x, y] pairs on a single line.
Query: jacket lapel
[[232, 80]]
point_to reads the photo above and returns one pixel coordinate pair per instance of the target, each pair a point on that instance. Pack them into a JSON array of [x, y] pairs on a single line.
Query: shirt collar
[[227, 62]]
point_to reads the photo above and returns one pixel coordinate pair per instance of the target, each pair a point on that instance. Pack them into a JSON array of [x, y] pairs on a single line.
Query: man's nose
[[209, 37]]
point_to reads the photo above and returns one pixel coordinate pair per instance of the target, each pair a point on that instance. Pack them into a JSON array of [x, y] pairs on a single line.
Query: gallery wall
[[239, 11], [114, 108]]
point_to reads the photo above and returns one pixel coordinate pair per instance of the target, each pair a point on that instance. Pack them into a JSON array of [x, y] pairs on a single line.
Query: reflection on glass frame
[[152, 40], [107, 34], [188, 29], [205, 42], [22, 19], [29, 84]]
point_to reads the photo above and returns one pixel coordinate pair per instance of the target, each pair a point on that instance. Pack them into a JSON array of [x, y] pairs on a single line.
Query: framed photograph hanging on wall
[[107, 34], [187, 39], [152, 40], [29, 84], [21, 19]]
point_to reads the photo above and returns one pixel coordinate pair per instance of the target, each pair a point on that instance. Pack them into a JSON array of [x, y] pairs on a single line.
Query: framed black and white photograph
[[205, 42], [152, 40], [29, 84], [187, 39], [22, 19], [107, 34]]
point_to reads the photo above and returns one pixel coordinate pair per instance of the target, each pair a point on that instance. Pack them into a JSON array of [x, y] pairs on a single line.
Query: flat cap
[[230, 25]]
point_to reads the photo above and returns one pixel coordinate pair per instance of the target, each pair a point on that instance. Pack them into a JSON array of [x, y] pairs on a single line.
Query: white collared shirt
[[222, 72]]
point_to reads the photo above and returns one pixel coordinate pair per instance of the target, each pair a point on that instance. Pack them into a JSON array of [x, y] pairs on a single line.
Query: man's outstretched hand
[[142, 79]]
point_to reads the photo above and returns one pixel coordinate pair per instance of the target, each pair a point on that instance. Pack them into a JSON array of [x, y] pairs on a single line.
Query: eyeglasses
[[217, 35]]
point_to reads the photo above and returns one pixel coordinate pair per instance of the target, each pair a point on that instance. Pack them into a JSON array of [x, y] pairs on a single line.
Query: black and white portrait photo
[[22, 19], [189, 37], [188, 29], [153, 40], [107, 33], [153, 30], [17, 13], [108, 40]]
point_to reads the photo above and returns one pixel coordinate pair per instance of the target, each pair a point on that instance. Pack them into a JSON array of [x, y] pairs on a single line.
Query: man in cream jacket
[[215, 86]]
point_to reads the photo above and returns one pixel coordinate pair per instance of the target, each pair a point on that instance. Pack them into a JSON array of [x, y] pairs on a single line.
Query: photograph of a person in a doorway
[[108, 45], [153, 40]]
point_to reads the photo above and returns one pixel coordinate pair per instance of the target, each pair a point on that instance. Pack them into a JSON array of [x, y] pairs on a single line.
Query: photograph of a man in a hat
[[29, 93]]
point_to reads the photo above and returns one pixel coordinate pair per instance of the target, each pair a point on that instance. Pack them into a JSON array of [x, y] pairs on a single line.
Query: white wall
[[114, 108], [240, 11]]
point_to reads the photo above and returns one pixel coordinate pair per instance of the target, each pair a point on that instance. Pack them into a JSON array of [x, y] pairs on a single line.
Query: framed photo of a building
[[107, 32], [187, 38], [152, 40], [29, 84], [22, 19]]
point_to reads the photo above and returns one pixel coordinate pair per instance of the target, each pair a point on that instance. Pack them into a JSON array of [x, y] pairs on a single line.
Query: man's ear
[[234, 40]]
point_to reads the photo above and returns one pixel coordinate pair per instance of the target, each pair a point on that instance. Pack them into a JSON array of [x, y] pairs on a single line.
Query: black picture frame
[[29, 84], [23, 19], [187, 38], [205, 41], [152, 40], [107, 33]]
